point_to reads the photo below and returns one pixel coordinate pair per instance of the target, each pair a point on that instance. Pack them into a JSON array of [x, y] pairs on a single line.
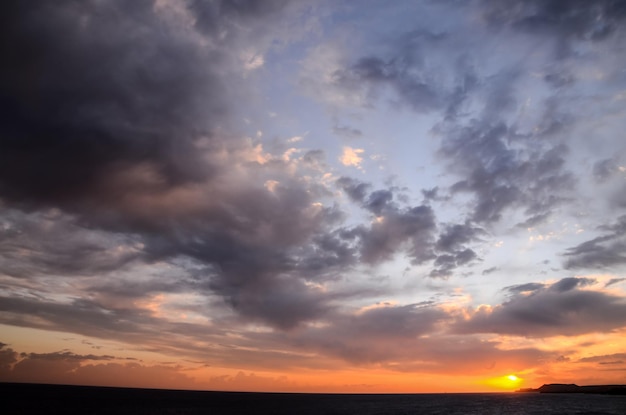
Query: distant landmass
[[573, 388]]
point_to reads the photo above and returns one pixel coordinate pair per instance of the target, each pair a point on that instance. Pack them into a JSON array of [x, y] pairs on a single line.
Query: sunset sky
[[317, 196]]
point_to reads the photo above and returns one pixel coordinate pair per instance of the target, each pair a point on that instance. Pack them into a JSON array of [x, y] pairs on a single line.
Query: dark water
[[48, 399]]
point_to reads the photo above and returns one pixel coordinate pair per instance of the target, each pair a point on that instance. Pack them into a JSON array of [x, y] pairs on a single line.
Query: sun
[[506, 382]]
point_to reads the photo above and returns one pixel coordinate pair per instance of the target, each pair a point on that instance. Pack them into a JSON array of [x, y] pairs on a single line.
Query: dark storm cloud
[[601, 252], [111, 112], [91, 87], [537, 310]]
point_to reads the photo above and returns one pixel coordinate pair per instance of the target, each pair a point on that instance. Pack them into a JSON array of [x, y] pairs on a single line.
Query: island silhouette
[[573, 388]]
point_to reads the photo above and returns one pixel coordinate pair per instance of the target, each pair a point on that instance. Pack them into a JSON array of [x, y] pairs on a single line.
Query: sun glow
[[508, 382]]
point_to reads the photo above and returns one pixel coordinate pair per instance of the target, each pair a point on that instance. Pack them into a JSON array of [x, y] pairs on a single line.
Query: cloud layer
[[272, 187]]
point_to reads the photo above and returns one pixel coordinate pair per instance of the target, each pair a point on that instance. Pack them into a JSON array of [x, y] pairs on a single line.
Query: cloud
[[49, 242], [490, 270], [604, 169], [133, 203], [102, 103], [613, 281], [8, 357], [600, 252], [69, 368], [564, 22], [356, 190], [498, 154], [615, 358], [346, 131], [503, 178], [538, 310], [409, 230], [122, 147], [351, 156]]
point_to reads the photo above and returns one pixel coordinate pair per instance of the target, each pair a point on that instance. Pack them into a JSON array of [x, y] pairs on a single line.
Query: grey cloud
[[501, 177], [92, 87], [559, 79], [613, 281], [70, 368], [522, 288], [605, 359], [66, 356], [544, 311], [503, 168], [8, 357], [456, 235], [490, 270], [79, 316], [604, 169], [445, 264], [370, 336], [431, 194], [222, 16], [452, 246], [409, 74], [378, 201], [565, 21], [111, 112], [600, 252], [401, 338], [394, 228], [347, 131], [567, 284], [410, 230], [52, 243], [357, 190]]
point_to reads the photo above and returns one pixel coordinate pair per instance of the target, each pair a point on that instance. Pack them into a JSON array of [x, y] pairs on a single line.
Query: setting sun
[[508, 382]]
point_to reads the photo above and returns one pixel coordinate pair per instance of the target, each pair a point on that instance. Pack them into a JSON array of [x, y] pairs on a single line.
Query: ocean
[[50, 399]]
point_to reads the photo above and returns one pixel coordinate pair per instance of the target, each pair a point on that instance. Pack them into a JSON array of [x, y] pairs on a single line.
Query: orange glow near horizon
[[50, 357], [507, 382]]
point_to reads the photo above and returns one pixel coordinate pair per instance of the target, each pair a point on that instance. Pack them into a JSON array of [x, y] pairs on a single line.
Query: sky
[[313, 196]]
